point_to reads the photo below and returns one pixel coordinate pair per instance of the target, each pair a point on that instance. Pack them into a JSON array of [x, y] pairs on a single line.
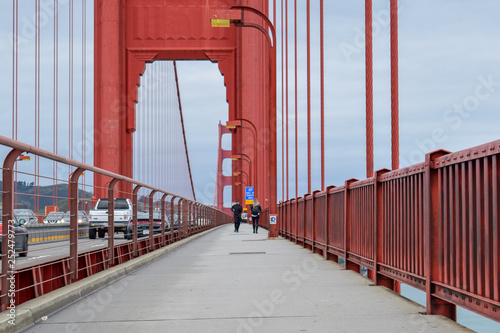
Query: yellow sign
[[220, 23], [248, 202]]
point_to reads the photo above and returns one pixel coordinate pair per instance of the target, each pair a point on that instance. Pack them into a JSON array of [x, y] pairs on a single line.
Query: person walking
[[237, 209], [255, 209]]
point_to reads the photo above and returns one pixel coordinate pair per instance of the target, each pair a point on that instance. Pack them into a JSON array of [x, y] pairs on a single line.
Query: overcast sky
[[449, 85]]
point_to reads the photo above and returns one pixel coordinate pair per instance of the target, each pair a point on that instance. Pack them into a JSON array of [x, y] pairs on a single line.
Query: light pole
[[244, 157], [233, 126]]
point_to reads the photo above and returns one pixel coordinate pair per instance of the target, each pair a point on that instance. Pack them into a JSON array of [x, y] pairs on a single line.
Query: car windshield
[[22, 212], [119, 204], [51, 214]]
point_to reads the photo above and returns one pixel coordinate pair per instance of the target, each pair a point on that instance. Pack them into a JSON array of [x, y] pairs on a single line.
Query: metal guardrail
[[18, 286], [434, 226], [39, 233]]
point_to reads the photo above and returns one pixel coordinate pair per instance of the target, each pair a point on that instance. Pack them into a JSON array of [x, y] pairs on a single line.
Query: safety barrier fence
[[433, 226], [54, 264], [40, 233]]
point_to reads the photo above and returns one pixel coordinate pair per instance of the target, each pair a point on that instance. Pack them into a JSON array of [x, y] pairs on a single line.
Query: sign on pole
[[273, 219], [249, 195]]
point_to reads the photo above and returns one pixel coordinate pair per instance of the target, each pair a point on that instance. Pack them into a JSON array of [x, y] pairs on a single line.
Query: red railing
[[433, 225], [71, 262]]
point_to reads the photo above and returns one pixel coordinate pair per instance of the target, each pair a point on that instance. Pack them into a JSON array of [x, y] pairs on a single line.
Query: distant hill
[[51, 195]]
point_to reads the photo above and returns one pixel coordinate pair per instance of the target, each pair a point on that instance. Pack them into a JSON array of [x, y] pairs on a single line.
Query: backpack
[[255, 210]]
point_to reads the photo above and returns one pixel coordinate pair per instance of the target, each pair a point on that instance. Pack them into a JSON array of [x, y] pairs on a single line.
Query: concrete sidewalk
[[242, 282]]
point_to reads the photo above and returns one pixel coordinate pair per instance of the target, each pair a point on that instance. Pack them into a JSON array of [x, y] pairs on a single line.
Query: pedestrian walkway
[[243, 282]]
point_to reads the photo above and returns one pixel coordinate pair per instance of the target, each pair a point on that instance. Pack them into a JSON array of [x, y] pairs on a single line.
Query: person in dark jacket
[[237, 210], [255, 209]]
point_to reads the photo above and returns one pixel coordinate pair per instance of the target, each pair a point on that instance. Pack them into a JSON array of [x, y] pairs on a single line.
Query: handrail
[[51, 275], [433, 225]]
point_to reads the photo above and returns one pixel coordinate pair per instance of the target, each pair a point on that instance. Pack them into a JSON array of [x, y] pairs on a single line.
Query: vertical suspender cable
[[282, 114], [162, 125], [145, 98], [84, 83], [296, 108], [15, 48], [71, 122], [153, 159], [369, 87], [309, 96], [150, 121], [394, 86], [37, 103], [15, 76], [159, 134], [55, 94], [286, 89], [274, 14], [322, 88]]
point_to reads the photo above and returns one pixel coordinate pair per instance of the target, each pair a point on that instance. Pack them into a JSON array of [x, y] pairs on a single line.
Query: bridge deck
[[242, 282]]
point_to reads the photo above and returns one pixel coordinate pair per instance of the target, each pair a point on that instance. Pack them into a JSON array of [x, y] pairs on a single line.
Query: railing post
[[347, 227], [313, 218], [190, 218], [151, 223], [432, 251], [327, 217], [163, 222], [111, 221], [134, 219], [172, 220], [8, 216], [180, 214], [73, 223], [197, 214], [378, 237]]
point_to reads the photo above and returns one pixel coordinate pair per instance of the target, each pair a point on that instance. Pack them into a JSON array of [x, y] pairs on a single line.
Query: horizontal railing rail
[[433, 226], [79, 257]]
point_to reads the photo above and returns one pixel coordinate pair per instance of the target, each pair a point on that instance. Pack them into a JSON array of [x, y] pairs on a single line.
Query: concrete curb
[[28, 313]]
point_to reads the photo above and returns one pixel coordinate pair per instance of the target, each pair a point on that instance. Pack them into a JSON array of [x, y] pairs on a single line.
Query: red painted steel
[[322, 90], [433, 225], [369, 87], [129, 34], [295, 44], [308, 65], [394, 85], [33, 281]]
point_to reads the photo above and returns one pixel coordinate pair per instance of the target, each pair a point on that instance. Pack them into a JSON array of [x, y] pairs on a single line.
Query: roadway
[[39, 253], [224, 281]]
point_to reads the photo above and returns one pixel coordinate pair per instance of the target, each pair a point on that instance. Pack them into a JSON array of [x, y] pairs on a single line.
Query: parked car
[[54, 217], [244, 217], [143, 225], [82, 217], [20, 236], [25, 216]]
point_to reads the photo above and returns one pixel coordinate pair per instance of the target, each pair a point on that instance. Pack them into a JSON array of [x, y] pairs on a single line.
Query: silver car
[[54, 217], [82, 217], [25, 216]]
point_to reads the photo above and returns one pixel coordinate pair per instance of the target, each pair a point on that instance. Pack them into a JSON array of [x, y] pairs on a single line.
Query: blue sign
[[249, 193]]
